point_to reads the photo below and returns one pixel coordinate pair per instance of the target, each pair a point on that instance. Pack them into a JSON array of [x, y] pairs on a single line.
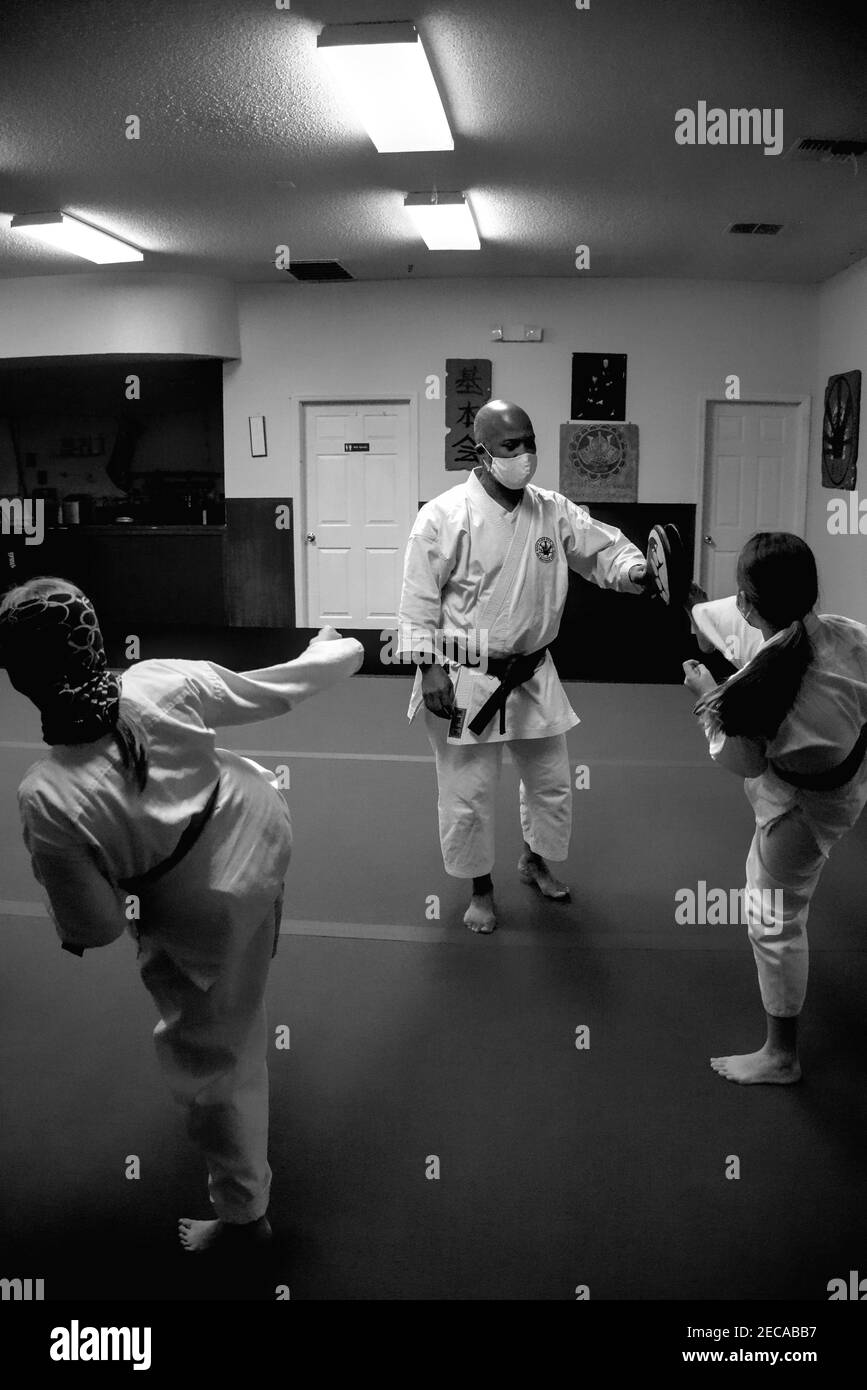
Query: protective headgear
[[53, 651]]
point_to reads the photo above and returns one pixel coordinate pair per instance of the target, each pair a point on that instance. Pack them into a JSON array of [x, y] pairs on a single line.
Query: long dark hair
[[777, 575]]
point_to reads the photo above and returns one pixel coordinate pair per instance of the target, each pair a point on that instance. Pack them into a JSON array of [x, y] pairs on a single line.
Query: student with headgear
[[136, 806], [487, 568], [792, 721]]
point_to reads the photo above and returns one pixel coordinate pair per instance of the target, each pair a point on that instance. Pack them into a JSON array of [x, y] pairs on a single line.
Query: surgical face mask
[[513, 472]]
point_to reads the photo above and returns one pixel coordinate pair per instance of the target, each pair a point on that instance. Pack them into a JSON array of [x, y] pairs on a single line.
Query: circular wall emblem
[[545, 548], [598, 452]]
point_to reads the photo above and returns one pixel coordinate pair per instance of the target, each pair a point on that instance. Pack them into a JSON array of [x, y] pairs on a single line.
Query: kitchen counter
[[137, 528]]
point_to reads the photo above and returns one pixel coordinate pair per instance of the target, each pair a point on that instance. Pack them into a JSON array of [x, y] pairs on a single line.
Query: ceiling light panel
[[444, 221], [383, 73], [66, 233]]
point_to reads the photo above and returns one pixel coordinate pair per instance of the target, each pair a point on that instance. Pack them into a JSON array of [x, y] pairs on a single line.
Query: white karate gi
[[208, 928], [474, 570], [796, 829], [720, 622]]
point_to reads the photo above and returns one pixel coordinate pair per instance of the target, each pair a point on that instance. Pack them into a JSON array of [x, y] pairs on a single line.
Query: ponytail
[[133, 744], [754, 702]]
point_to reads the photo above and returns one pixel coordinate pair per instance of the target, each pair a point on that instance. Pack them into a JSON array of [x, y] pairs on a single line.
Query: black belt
[[194, 829], [510, 671], [834, 777], [195, 826]]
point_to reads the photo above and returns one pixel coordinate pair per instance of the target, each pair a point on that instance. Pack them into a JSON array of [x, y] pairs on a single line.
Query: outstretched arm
[[601, 553]]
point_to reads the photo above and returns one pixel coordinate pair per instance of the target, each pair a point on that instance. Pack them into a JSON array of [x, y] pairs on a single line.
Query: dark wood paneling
[[139, 581], [607, 636], [161, 581], [259, 574]]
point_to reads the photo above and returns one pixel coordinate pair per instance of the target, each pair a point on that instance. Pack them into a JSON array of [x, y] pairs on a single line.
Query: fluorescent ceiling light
[[444, 221], [383, 71], [68, 234]]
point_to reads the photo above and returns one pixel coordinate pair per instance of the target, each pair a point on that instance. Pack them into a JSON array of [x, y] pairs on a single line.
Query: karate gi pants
[[467, 776], [784, 855], [212, 1046]]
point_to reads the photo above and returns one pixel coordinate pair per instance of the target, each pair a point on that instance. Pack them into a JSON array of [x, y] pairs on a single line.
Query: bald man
[[485, 582]]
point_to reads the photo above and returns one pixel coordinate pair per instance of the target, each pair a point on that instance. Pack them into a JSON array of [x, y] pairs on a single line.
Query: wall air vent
[[756, 228], [318, 270], [815, 151]]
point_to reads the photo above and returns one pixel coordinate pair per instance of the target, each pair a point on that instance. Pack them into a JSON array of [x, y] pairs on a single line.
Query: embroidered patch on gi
[[545, 548]]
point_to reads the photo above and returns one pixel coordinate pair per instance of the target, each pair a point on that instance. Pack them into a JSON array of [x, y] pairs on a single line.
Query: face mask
[[513, 472]]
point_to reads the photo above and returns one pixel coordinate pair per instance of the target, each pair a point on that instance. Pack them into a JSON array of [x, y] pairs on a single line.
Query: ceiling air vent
[[827, 151], [318, 270], [756, 228]]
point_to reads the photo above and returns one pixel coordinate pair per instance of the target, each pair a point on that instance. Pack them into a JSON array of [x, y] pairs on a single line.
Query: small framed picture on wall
[[598, 386], [258, 442]]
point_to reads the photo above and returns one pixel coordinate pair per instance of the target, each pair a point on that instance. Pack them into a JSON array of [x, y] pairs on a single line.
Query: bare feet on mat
[[759, 1068], [197, 1237], [533, 869], [480, 916]]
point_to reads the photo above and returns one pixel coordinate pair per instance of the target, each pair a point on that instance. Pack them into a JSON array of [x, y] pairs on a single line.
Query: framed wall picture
[[599, 461], [258, 440], [598, 386], [840, 430]]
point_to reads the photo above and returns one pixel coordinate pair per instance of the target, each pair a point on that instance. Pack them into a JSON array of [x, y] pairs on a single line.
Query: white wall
[[682, 339], [120, 311], [842, 347]]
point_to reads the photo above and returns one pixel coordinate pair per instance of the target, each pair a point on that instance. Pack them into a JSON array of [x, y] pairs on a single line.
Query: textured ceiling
[[563, 123]]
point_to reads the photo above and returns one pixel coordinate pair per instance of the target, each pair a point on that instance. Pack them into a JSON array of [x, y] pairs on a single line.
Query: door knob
[[709, 540], [311, 538]]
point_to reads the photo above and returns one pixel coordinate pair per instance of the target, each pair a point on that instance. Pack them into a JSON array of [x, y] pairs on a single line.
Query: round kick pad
[[666, 561]]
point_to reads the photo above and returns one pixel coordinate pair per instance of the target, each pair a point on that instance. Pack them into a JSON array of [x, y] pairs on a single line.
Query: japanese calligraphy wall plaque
[[599, 461], [468, 387]]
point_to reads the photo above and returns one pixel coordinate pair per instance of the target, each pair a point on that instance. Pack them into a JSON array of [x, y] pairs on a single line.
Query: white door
[[361, 502], [754, 481]]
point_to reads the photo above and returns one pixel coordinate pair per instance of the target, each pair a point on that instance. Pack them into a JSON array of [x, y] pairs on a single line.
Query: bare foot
[[480, 916], [537, 871], [759, 1068], [199, 1236]]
